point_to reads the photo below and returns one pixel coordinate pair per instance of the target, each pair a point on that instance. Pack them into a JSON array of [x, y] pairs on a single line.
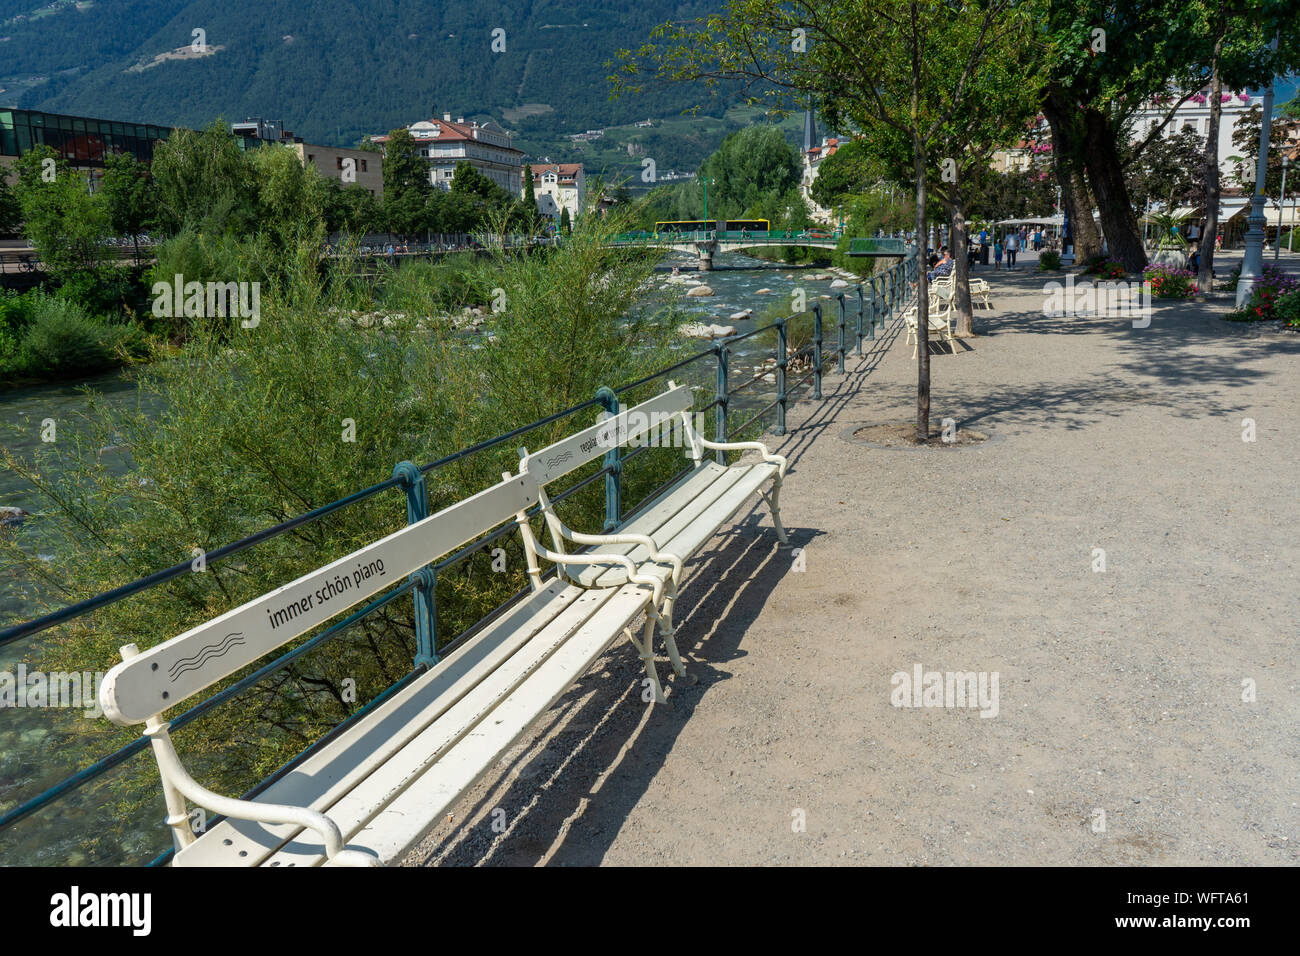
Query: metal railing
[[748, 237], [875, 304]]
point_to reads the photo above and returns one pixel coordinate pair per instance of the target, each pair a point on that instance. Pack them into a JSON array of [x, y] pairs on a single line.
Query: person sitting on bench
[[943, 267]]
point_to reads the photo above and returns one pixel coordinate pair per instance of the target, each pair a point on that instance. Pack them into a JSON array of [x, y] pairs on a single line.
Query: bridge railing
[[878, 247], [875, 303]]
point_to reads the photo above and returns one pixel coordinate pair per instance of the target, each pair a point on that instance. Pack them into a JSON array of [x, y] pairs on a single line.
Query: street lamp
[[1252, 263], [1281, 205]]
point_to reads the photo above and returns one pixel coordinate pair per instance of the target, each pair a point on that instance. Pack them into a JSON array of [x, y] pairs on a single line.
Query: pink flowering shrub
[[1276, 296], [1170, 283]]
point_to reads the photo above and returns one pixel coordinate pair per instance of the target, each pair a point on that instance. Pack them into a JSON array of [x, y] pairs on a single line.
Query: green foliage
[[205, 181], [1287, 308], [63, 340], [1049, 261], [11, 213], [130, 195], [750, 174], [349, 209], [850, 169], [64, 223], [1273, 297], [109, 292]]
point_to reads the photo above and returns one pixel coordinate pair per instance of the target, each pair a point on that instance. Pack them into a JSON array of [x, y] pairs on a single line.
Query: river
[[31, 737]]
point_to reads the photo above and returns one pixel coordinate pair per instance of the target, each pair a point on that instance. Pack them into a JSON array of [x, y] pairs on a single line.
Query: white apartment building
[[487, 148], [1195, 115], [559, 186]]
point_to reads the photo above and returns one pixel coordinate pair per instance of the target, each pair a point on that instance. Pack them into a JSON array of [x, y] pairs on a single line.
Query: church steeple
[[809, 130]]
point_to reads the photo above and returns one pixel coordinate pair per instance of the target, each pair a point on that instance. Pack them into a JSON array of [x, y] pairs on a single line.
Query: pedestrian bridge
[[706, 243]]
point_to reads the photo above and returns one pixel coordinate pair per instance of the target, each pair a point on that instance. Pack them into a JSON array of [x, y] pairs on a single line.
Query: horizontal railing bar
[[73, 611], [515, 433], [744, 385], [763, 411], [74, 782], [86, 774], [664, 371]]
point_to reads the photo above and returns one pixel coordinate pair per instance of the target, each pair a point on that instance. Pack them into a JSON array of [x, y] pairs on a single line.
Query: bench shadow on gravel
[[566, 801]]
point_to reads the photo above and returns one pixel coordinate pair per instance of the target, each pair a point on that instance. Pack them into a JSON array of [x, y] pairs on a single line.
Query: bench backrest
[[150, 682], [662, 411]]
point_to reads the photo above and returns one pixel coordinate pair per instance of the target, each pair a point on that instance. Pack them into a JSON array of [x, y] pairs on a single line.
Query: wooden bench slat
[[423, 752], [345, 762]]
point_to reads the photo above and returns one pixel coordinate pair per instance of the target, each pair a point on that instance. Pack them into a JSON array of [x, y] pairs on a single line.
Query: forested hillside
[[333, 70]]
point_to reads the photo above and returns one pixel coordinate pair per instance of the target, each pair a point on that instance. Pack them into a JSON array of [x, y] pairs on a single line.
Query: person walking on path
[[997, 254], [1013, 246]]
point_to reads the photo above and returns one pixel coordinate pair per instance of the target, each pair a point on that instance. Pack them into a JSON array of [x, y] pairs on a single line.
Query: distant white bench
[[372, 793]]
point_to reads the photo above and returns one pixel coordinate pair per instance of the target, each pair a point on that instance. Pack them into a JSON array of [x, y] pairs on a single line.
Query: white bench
[[373, 792], [672, 526]]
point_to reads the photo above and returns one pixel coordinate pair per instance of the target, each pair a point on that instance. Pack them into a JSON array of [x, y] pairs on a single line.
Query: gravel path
[[1121, 734]]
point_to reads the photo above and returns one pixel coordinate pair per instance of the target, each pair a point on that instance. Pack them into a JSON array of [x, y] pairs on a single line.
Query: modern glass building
[[82, 141]]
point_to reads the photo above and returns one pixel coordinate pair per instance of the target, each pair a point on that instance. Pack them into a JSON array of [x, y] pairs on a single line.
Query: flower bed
[[1170, 283], [1105, 268], [1276, 296]]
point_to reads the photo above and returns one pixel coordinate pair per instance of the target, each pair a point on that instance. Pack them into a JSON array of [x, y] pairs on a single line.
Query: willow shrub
[[262, 424]]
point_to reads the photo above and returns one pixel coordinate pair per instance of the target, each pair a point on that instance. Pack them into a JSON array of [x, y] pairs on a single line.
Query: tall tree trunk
[[1106, 176], [1205, 280], [961, 268], [1068, 142], [922, 302]]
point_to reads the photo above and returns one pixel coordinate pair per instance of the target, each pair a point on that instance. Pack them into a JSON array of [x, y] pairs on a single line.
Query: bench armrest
[[647, 542], [595, 557], [742, 445], [174, 772]]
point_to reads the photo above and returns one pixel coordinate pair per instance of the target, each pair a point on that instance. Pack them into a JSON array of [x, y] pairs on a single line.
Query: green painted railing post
[[720, 409], [876, 318], [782, 360], [840, 343], [425, 579], [860, 311], [614, 477], [817, 350]]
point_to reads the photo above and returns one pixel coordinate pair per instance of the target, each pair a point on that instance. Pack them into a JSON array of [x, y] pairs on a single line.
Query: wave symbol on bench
[[206, 653], [559, 459]]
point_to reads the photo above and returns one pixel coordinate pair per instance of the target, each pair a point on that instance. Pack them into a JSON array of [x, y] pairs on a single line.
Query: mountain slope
[[333, 70]]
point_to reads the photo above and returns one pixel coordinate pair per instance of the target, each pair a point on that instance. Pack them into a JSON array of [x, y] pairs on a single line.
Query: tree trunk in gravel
[[1205, 279], [922, 301], [961, 270], [1106, 177]]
